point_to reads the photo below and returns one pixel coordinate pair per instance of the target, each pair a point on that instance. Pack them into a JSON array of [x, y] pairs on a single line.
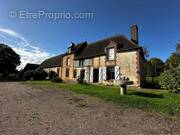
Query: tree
[[178, 49], [146, 52], [156, 67], [174, 60], [9, 60]]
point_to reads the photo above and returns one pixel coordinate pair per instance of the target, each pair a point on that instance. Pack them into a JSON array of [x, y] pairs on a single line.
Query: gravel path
[[36, 111]]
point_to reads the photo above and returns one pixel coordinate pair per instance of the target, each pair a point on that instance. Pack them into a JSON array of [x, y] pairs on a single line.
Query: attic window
[[69, 50], [110, 53]]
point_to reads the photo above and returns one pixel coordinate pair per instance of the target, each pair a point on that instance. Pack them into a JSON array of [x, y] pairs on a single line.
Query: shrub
[[40, 75], [28, 75], [81, 81], [56, 79], [52, 74], [170, 80], [35, 75]]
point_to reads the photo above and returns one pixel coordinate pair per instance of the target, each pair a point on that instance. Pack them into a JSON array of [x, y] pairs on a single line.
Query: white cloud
[[29, 53]]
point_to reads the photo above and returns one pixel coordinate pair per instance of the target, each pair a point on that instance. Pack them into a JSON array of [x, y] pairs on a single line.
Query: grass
[[146, 99]]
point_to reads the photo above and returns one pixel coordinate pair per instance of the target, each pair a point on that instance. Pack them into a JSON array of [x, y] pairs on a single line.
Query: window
[[111, 54], [67, 72], [81, 62], [69, 50], [110, 73], [76, 63], [68, 62], [74, 73]]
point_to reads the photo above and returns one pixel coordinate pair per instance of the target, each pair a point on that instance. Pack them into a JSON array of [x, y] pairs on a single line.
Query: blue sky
[[37, 39]]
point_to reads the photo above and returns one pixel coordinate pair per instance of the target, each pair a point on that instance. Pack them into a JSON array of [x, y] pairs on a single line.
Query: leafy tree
[[148, 68], [9, 60], [178, 49], [154, 67], [174, 60], [157, 65]]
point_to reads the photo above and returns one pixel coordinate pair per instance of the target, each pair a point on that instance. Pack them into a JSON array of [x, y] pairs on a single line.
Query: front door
[[95, 75]]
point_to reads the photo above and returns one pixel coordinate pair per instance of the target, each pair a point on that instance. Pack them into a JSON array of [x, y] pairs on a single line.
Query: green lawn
[[146, 99]]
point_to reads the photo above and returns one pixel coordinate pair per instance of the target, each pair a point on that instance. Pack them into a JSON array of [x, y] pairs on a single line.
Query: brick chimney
[[134, 34]]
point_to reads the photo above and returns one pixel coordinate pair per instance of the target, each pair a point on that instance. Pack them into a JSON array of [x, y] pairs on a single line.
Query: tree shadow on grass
[[151, 85], [149, 95]]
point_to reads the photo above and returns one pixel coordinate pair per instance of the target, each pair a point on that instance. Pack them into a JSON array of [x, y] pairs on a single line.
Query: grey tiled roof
[[55, 61]]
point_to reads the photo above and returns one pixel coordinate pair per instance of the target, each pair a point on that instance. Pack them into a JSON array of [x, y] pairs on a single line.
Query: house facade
[[105, 61]]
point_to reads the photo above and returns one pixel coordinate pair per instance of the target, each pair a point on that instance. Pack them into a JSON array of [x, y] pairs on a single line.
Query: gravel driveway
[[36, 111]]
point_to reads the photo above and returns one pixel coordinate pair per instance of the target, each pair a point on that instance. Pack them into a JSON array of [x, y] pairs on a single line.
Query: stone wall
[[70, 67], [128, 65], [99, 61]]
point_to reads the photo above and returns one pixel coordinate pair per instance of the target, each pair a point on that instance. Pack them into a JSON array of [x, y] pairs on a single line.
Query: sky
[[40, 37]]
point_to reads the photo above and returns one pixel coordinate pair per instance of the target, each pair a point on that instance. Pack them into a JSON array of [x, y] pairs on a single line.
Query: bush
[[170, 80], [40, 75], [28, 75], [52, 74], [35, 75], [81, 81], [56, 79]]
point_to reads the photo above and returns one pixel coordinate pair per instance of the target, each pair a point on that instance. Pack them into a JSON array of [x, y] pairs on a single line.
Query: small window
[[68, 62], [74, 73], [67, 72], [110, 73], [69, 50], [111, 54], [81, 62]]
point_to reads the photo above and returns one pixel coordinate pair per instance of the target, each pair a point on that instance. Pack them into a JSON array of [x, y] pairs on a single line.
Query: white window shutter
[[117, 72], [104, 73], [78, 73], [91, 75], [87, 73], [100, 74]]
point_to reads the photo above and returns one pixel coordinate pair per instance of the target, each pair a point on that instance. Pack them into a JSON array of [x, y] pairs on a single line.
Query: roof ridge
[[107, 38]]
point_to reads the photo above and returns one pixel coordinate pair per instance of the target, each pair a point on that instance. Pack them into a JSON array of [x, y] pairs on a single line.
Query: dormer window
[[69, 50], [110, 53]]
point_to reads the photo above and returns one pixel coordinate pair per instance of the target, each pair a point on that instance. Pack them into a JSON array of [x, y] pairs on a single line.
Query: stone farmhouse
[[104, 61]]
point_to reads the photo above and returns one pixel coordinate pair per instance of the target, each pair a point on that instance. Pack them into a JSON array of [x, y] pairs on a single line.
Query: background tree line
[[165, 73]]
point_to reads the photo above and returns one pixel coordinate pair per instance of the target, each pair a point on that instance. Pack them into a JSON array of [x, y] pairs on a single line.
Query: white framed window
[[111, 54]]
